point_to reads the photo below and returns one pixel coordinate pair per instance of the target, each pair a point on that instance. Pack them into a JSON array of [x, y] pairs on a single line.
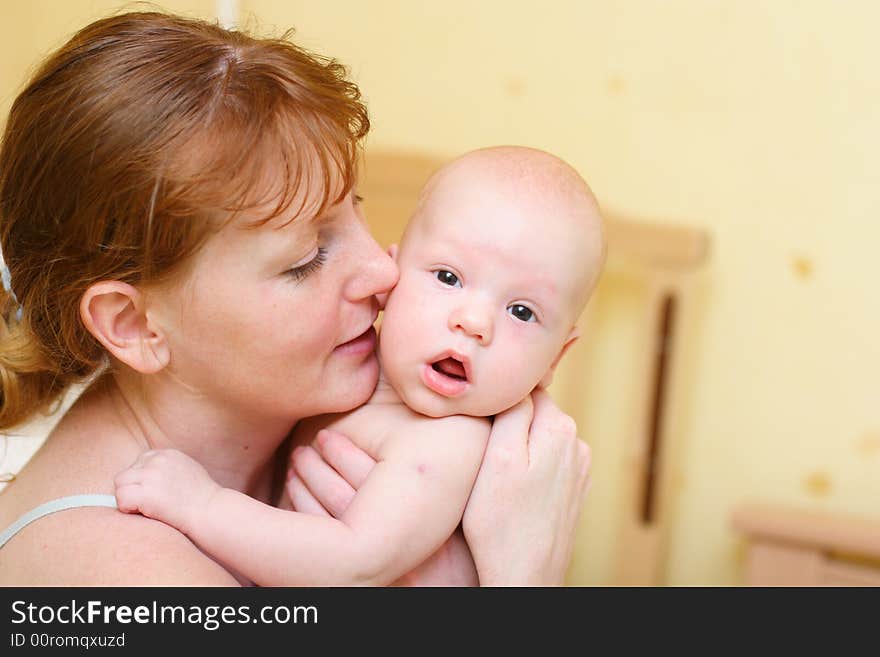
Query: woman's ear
[[114, 312], [573, 335]]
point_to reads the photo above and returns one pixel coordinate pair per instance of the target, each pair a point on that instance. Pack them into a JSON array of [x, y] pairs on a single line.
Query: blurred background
[[730, 354]]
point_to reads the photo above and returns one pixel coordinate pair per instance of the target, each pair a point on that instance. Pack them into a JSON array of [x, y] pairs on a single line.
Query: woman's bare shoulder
[[104, 547]]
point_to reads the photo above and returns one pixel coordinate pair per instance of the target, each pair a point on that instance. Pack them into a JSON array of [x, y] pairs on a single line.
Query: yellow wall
[[29, 29], [754, 120]]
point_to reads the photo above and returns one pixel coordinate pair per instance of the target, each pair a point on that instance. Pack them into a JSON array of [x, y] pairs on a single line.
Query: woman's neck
[[235, 450]]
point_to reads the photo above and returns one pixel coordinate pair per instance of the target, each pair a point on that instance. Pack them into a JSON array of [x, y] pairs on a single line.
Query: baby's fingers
[[128, 477], [129, 497], [129, 489]]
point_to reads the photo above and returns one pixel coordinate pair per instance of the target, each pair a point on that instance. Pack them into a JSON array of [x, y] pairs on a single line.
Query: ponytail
[[28, 382]]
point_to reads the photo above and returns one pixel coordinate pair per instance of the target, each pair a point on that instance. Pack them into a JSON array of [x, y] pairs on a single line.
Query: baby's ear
[[382, 298], [114, 312], [573, 335]]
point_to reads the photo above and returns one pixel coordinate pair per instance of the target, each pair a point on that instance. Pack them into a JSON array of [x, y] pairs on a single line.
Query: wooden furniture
[[391, 180], [663, 258], [793, 547]]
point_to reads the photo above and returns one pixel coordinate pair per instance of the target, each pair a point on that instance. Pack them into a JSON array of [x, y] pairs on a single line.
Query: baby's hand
[[166, 485]]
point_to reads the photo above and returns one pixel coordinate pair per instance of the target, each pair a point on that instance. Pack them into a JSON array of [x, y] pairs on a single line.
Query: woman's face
[[277, 322]]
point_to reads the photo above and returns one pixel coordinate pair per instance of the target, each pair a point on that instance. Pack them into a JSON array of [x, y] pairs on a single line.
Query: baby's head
[[498, 261]]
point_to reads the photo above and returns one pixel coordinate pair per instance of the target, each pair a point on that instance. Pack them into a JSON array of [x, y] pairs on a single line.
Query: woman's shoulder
[[93, 546], [87, 545]]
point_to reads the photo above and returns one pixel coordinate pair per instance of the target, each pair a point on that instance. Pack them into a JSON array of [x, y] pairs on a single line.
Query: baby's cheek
[[516, 375], [499, 391]]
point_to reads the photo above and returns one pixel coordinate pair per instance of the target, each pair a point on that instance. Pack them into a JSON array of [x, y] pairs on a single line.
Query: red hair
[[127, 146]]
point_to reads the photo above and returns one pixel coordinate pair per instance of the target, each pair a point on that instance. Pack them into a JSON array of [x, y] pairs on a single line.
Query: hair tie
[[7, 285]]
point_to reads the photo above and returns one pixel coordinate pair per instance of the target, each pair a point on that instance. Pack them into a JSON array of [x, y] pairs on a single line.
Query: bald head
[[547, 193], [530, 170]]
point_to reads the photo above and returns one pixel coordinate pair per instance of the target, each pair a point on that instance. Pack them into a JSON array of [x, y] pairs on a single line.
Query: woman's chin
[[355, 390]]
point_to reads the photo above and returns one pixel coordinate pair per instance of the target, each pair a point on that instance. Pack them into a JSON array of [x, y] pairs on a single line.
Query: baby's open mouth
[[449, 375], [450, 367]]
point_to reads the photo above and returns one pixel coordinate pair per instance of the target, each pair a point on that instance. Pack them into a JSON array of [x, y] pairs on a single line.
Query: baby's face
[[489, 292]]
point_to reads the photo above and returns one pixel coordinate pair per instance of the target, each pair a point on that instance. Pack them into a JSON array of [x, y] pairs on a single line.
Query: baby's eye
[[522, 313], [447, 277]]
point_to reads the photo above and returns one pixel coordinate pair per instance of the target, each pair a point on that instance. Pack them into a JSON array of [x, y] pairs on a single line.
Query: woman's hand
[[323, 479], [522, 514]]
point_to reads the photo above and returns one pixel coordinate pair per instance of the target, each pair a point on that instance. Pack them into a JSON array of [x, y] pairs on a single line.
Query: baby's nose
[[474, 320]]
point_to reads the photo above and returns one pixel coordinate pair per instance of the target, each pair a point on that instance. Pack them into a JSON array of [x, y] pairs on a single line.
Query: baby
[[501, 255]]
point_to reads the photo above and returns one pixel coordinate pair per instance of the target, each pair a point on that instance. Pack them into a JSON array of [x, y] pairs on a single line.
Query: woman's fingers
[[508, 440], [522, 514], [302, 499], [554, 444], [585, 456], [325, 484], [327, 475], [344, 456], [550, 424]]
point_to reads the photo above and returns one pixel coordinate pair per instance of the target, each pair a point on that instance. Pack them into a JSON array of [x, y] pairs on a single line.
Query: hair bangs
[[278, 145]]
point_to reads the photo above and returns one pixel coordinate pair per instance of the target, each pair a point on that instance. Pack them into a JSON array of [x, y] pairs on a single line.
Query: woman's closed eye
[[301, 272]]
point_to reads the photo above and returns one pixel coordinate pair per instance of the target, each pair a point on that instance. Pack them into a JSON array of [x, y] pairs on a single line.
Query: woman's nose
[[374, 273], [473, 319]]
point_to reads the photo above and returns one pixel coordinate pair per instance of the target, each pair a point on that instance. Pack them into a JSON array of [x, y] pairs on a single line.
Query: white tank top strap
[[52, 506]]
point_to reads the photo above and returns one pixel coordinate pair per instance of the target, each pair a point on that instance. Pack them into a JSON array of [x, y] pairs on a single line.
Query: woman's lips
[[442, 384], [362, 345]]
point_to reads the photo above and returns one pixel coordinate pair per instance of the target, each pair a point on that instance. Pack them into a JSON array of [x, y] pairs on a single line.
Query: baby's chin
[[430, 404]]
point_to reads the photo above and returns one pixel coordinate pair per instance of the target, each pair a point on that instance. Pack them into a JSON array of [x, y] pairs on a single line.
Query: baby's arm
[[409, 505]]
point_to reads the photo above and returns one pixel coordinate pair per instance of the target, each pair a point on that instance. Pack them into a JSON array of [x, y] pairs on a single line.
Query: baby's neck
[[384, 392]]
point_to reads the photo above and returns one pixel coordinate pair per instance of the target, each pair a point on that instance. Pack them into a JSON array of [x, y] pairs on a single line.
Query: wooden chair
[[663, 257]]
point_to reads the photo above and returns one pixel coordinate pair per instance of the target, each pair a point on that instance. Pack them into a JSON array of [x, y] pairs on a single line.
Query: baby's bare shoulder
[[452, 425], [366, 426], [453, 434]]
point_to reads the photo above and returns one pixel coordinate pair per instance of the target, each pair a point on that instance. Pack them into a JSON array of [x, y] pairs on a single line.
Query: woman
[[177, 211]]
